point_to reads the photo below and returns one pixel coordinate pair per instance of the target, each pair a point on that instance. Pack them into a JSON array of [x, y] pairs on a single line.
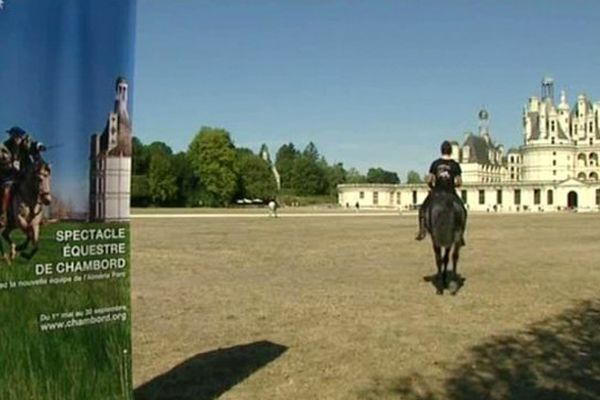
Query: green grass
[[76, 363]]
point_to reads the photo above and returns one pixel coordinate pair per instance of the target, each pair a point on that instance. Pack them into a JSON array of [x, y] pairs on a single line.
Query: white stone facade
[[555, 169], [110, 164]]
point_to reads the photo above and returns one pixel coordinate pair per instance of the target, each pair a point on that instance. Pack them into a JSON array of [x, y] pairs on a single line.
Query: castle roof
[[480, 149]]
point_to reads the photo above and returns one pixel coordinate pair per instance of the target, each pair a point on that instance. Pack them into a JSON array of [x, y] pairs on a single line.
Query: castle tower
[[110, 163], [484, 124], [548, 89], [264, 153]]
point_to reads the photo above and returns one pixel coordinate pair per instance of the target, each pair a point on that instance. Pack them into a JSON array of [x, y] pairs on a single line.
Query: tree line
[[214, 172]]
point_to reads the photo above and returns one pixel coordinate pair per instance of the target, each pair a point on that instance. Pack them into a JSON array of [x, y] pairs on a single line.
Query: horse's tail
[[446, 224]]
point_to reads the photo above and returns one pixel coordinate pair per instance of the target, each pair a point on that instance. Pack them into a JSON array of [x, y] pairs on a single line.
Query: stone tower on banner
[[110, 163]]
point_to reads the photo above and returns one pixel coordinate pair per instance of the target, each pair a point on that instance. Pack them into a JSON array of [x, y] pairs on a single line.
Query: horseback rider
[[444, 176], [16, 154]]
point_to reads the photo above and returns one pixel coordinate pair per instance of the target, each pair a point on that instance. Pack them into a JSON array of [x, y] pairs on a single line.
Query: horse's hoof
[[453, 287]]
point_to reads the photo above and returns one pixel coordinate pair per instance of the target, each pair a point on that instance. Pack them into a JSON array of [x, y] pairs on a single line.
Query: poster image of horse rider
[[444, 176], [25, 189]]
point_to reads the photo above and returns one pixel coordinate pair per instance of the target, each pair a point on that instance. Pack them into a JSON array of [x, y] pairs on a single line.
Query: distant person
[[444, 175]]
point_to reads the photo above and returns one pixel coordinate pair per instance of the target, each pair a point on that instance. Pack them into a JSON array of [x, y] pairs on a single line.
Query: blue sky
[[372, 83], [60, 60]]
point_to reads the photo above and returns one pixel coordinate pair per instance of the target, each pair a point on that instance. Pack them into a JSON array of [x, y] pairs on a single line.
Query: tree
[[379, 175], [140, 192], [256, 179], [188, 188], [139, 157], [161, 179], [336, 175], [159, 147], [413, 177], [284, 162], [211, 156], [311, 152], [308, 177], [354, 176]]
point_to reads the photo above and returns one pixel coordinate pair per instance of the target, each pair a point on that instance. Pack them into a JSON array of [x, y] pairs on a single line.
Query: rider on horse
[[16, 153], [444, 175]]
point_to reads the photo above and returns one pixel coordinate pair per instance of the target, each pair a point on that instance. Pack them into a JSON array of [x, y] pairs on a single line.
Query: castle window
[[499, 196], [581, 176], [554, 172], [375, 198], [552, 140], [482, 197], [517, 197], [463, 195], [361, 195], [591, 127], [550, 197], [553, 153], [397, 197], [593, 176], [552, 126], [553, 162], [414, 197], [591, 141], [537, 194], [512, 176], [598, 197]]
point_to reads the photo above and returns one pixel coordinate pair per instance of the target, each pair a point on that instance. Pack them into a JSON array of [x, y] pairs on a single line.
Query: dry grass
[[337, 308]]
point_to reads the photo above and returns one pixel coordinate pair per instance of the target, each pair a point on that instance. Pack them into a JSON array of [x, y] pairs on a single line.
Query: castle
[[556, 167], [110, 163]]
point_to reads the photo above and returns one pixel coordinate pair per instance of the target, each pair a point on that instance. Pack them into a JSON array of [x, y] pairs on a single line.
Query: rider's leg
[[422, 231], [4, 202]]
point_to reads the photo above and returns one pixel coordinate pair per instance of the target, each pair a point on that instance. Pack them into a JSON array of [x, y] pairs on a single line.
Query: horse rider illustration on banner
[[17, 153]]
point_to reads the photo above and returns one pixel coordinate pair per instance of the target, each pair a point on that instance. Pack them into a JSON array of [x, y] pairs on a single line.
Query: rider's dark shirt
[[445, 172]]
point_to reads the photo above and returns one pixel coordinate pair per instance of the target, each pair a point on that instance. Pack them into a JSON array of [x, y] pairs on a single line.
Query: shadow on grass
[[555, 359], [208, 375], [455, 282]]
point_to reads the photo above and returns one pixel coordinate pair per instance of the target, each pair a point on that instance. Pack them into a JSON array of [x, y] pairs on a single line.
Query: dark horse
[[446, 225], [29, 196]]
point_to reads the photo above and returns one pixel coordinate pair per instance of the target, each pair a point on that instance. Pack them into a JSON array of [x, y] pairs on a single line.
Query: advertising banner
[[65, 164]]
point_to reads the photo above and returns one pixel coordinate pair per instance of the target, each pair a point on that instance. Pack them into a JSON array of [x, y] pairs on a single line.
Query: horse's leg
[[445, 272], [11, 245], [25, 243], [2, 253], [33, 234], [455, 255], [438, 262]]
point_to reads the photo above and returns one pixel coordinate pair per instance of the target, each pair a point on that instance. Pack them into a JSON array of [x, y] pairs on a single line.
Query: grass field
[[338, 308], [86, 362]]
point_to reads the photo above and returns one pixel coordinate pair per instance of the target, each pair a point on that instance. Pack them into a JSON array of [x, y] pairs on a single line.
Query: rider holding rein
[[444, 175]]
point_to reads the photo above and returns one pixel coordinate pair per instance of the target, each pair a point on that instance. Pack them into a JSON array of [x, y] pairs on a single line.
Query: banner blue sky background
[[373, 83], [59, 60]]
